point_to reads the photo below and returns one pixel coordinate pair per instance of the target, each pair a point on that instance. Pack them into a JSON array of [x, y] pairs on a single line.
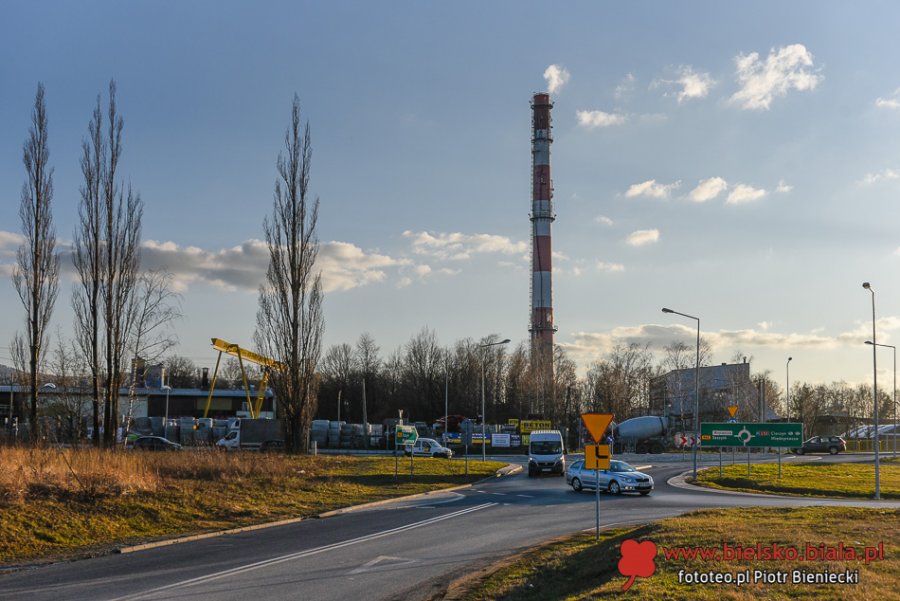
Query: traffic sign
[[596, 456], [732, 410], [466, 426], [596, 424], [406, 435], [751, 435]]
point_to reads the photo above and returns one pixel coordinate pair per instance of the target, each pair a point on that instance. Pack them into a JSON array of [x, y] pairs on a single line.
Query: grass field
[[65, 503], [850, 480], [579, 568]]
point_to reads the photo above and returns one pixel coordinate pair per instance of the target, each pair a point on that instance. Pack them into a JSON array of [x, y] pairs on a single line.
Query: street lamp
[[696, 388], [167, 388], [895, 388], [787, 401], [868, 287], [483, 414]]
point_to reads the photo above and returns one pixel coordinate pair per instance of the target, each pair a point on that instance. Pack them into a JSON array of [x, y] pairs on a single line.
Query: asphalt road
[[404, 550]]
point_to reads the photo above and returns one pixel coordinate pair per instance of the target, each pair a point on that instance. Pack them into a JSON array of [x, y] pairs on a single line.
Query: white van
[[546, 453], [428, 447]]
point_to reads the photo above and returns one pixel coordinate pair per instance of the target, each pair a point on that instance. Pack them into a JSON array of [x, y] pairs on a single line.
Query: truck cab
[[546, 453]]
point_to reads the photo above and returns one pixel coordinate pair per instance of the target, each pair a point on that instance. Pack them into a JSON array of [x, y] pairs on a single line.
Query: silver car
[[619, 478]]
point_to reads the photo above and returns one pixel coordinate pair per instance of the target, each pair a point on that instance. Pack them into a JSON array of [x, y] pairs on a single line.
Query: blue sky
[[740, 163]]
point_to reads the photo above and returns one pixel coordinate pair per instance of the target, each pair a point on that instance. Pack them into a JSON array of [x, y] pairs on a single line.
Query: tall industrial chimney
[[542, 216]]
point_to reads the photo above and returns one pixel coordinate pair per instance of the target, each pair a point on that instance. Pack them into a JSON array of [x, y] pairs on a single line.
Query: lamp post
[[167, 388], [868, 287], [483, 414], [696, 388], [894, 348], [787, 401]]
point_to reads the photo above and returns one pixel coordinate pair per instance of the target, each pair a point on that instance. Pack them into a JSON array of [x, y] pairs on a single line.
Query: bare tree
[[36, 276], [69, 372], [290, 322], [181, 372], [154, 307], [18, 348], [106, 258]]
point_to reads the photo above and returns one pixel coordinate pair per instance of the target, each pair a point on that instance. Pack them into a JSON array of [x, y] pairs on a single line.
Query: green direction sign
[[406, 435], [751, 435]]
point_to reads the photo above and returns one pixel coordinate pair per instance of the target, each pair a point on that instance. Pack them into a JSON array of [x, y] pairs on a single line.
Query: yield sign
[[732, 409], [596, 424]]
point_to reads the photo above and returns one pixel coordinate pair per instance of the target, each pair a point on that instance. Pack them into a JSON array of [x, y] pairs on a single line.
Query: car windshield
[[546, 447], [620, 466]]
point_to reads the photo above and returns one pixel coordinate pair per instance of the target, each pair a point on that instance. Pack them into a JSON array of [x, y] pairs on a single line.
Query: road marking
[[526, 496], [499, 494], [385, 561], [301, 554]]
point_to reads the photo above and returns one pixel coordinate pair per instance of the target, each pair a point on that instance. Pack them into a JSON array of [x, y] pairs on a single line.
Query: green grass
[[46, 514], [579, 568], [848, 480]]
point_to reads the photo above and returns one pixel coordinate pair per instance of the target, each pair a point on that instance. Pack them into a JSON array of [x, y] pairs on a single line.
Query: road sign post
[[751, 435], [596, 424], [466, 427], [404, 435]]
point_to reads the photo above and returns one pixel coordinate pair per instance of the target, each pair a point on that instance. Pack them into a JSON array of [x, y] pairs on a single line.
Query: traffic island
[[841, 480], [743, 554]]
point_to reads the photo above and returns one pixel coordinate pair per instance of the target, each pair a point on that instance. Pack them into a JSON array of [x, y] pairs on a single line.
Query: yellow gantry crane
[[242, 355]]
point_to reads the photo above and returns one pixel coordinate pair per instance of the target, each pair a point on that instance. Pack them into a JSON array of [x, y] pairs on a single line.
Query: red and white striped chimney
[[541, 328]]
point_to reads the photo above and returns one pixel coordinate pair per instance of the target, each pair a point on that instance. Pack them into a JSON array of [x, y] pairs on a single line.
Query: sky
[[738, 162]]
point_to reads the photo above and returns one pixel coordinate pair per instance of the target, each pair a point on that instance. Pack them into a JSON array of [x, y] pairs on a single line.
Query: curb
[[504, 471], [678, 481]]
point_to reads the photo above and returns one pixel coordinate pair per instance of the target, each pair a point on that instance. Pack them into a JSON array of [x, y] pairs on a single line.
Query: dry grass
[[852, 480], [86, 474], [72, 502]]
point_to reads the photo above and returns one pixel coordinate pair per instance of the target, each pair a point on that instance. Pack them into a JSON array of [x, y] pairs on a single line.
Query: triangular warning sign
[[596, 424], [732, 409]]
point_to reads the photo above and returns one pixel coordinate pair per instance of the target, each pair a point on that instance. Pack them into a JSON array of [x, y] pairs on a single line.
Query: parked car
[[153, 443], [823, 444], [428, 447], [619, 478]]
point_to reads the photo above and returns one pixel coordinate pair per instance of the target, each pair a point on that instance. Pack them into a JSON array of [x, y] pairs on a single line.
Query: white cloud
[[457, 246], [592, 345], [592, 119], [787, 68], [603, 219], [688, 84], [892, 102], [652, 189], [610, 267], [556, 77], [783, 188], [743, 193], [881, 176], [626, 86], [343, 265], [708, 189], [643, 237], [10, 240]]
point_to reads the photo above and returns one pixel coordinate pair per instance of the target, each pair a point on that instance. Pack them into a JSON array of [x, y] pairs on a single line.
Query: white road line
[[499, 494], [526, 496], [292, 556]]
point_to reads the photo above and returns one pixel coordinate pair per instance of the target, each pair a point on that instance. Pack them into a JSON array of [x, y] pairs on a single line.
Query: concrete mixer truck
[[645, 434]]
